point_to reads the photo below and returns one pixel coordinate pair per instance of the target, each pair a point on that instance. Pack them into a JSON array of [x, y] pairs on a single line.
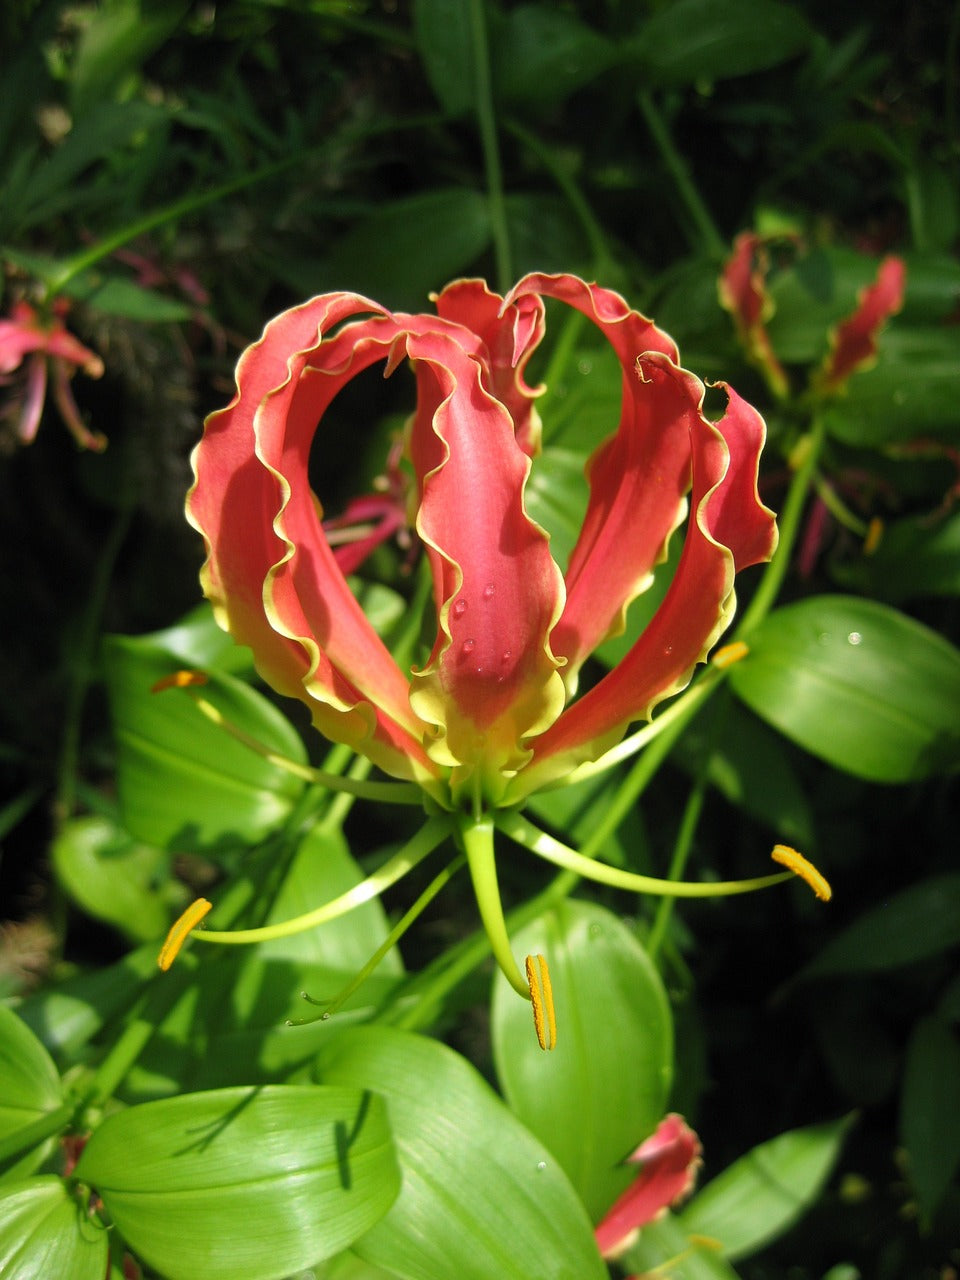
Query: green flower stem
[[430, 835], [421, 999], [602, 257], [709, 239], [476, 838], [31, 1135], [838, 508], [438, 883], [162, 993], [545, 846], [384, 792], [766, 593], [486, 120]]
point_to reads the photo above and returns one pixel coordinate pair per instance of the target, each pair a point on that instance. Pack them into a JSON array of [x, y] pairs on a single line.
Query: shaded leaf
[[693, 40], [46, 1232], [930, 1111], [543, 54]]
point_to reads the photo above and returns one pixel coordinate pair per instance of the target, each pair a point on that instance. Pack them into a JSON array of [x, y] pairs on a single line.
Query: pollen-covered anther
[[179, 680], [541, 997], [874, 536], [728, 654], [803, 868], [180, 930]]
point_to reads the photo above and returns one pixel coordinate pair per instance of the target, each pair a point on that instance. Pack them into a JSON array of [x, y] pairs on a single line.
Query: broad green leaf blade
[[543, 54], [930, 1111], [694, 40], [112, 877], [45, 1233], [918, 922], [248, 1183], [30, 1088], [917, 556], [763, 1193], [857, 684], [603, 1089], [183, 781], [445, 40], [481, 1198]]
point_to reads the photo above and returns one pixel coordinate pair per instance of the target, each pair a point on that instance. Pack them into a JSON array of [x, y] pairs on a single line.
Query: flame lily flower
[[31, 345], [668, 1163], [492, 714]]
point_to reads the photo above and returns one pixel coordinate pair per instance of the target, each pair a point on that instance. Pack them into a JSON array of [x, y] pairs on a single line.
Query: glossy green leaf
[[183, 781], [116, 297], [918, 922], [930, 1111], [481, 1198], [112, 877], [910, 393], [693, 40], [603, 1089], [763, 1193], [30, 1088], [819, 289], [917, 556], [198, 643], [45, 1232], [858, 684], [248, 1183], [410, 246]]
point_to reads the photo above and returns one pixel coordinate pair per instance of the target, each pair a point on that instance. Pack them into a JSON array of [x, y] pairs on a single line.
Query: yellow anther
[[729, 654], [874, 534], [799, 865], [179, 680], [541, 997], [180, 930]]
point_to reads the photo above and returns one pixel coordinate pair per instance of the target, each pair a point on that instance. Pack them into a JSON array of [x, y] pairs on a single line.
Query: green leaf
[[603, 1089], [30, 1088], [918, 922], [763, 1193], [857, 684], [410, 246], [118, 297], [111, 876], [444, 36], [693, 40], [183, 781], [248, 1183], [116, 41], [46, 1232], [916, 557], [930, 1111], [481, 1197], [543, 54]]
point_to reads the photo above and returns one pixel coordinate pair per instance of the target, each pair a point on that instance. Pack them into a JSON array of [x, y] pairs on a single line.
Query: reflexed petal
[[638, 478], [668, 1162], [853, 343], [743, 292], [510, 334], [729, 529], [270, 573], [491, 679]]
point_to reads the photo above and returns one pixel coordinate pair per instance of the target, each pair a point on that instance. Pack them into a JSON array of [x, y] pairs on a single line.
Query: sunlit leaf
[[30, 1088], [858, 684], [481, 1197], [248, 1183], [45, 1231], [609, 1075]]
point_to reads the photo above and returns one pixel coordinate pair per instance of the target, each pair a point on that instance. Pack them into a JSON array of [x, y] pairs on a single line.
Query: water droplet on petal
[[489, 591], [460, 608], [667, 650], [468, 646], [854, 638], [506, 655]]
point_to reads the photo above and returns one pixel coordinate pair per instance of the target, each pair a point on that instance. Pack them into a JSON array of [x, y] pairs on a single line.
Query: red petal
[[491, 680], [668, 1161], [743, 291], [854, 341], [728, 530], [638, 479], [270, 573], [510, 334]]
